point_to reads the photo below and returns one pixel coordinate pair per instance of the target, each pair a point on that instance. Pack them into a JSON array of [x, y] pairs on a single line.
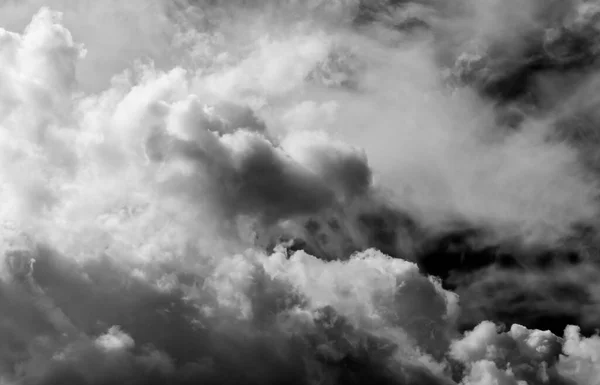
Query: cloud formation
[[220, 192]]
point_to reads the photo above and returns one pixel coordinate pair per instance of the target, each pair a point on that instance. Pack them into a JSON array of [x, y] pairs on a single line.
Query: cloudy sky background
[[254, 192]]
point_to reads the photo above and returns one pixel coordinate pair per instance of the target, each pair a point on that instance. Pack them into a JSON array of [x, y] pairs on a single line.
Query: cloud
[[222, 193], [581, 362], [103, 321], [521, 356]]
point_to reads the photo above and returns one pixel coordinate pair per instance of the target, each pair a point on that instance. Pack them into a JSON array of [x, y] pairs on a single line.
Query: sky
[[299, 192]]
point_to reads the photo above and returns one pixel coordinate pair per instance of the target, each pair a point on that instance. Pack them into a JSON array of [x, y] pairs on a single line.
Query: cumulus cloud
[[98, 322], [522, 356], [224, 192]]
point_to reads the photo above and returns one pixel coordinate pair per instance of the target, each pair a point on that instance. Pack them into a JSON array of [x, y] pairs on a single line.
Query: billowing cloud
[[101, 322], [282, 192], [522, 356]]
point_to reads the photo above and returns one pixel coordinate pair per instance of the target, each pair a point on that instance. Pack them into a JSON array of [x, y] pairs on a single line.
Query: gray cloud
[[208, 191]]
